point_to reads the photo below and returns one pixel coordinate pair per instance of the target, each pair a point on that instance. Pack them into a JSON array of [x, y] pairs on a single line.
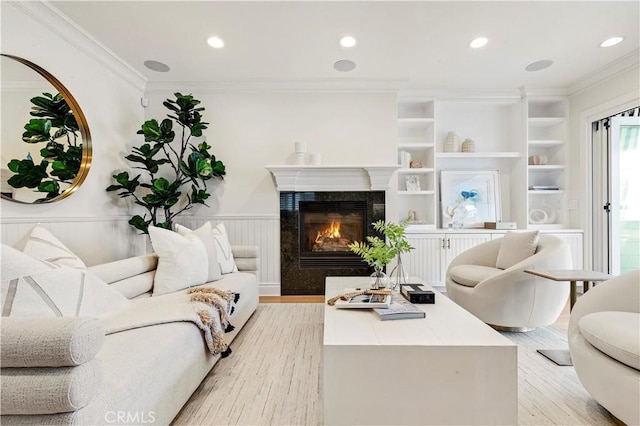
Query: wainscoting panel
[[259, 230], [99, 240], [95, 239]]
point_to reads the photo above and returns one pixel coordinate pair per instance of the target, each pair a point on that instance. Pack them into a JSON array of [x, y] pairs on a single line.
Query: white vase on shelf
[[451, 142]]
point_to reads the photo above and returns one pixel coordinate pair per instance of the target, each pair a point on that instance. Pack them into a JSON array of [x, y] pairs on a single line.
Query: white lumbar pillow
[[516, 247], [205, 235], [182, 261], [225, 256]]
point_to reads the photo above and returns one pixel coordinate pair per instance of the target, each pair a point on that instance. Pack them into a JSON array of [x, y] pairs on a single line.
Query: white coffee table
[[447, 368]]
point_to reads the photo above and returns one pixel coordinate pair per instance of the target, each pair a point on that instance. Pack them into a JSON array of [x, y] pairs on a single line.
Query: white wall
[[613, 95], [112, 108], [251, 130]]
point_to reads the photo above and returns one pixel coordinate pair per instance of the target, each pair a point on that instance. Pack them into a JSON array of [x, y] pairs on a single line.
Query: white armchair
[[604, 341], [510, 299]]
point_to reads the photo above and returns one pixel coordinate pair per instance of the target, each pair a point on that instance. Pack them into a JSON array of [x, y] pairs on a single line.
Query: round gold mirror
[[46, 144]]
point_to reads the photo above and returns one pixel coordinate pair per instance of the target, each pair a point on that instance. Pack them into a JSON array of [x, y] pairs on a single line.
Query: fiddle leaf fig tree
[[171, 168], [57, 128]]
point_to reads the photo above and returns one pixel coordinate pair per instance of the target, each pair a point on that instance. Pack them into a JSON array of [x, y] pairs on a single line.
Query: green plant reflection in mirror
[[46, 145]]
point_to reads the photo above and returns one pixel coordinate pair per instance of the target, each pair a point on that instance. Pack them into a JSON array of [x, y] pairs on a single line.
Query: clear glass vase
[[378, 279], [397, 276]]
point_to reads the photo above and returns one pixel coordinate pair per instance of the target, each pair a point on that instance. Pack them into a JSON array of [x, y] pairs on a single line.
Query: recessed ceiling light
[[215, 42], [348, 41], [344, 65], [156, 66], [611, 41], [478, 42], [539, 65]]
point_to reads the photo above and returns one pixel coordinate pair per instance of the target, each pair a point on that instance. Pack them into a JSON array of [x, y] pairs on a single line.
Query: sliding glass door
[[625, 194], [616, 194]]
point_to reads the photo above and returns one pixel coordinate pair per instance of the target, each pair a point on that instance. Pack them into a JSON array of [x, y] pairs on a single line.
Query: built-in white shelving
[[546, 137], [506, 132], [416, 180]]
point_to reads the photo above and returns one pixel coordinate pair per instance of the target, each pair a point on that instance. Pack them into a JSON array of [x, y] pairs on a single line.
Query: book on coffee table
[[400, 308], [364, 301]]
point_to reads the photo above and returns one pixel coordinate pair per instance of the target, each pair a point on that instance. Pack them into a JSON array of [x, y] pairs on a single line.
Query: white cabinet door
[[425, 260], [434, 252]]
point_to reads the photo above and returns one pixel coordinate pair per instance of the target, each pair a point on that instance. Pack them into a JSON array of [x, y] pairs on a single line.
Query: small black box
[[416, 293]]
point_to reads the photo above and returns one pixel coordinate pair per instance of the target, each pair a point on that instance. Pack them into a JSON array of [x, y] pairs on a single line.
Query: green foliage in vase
[[376, 252], [170, 167], [395, 234], [57, 128]]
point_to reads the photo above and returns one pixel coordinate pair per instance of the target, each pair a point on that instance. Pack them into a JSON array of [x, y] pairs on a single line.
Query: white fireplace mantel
[[332, 178]]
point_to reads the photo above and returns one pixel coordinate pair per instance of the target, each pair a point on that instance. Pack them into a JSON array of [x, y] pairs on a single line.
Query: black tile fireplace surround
[[307, 253]]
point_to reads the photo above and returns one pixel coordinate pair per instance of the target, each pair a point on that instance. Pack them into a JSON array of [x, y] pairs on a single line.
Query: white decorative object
[[405, 159], [301, 159], [468, 145], [301, 153], [544, 214], [315, 159], [413, 183], [538, 160], [451, 142], [301, 147]]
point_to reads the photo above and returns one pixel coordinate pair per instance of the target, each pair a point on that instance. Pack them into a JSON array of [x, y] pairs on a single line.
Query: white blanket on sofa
[[206, 307]]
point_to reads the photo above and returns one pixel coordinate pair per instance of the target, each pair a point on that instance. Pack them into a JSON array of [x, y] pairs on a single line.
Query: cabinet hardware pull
[[443, 244], [448, 243]]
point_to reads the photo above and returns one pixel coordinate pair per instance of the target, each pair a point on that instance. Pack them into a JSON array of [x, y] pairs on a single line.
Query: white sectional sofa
[[144, 375]]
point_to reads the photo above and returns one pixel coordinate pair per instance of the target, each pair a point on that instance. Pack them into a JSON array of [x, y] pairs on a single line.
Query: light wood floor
[[281, 383]]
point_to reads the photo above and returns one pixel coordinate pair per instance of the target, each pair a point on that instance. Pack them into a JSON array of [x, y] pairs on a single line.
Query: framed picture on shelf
[[468, 198], [413, 183]]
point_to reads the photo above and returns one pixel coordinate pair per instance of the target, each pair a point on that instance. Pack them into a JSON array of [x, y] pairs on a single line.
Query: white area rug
[[274, 376]]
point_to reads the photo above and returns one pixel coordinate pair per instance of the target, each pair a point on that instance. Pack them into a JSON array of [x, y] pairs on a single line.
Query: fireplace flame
[[333, 231]]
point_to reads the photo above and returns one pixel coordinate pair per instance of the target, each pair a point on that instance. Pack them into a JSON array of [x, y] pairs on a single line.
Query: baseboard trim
[[269, 289]]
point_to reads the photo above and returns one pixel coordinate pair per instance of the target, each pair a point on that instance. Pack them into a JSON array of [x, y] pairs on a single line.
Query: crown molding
[[266, 85], [543, 92], [443, 93], [47, 15], [609, 71]]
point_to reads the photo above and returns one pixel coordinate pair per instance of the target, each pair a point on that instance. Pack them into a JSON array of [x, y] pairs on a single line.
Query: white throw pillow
[[205, 235], [64, 291], [15, 264], [182, 261], [225, 255], [516, 247], [43, 245]]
